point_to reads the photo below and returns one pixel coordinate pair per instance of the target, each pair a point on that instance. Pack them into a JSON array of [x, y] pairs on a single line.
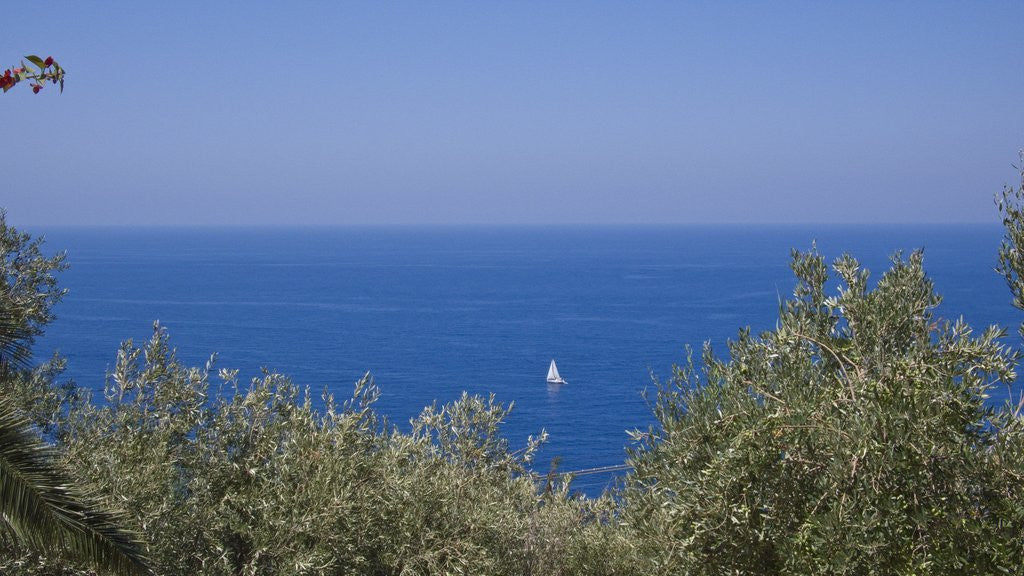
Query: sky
[[352, 113]]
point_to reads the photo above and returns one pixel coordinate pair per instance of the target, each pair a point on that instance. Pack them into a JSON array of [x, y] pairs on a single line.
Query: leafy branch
[[48, 71]]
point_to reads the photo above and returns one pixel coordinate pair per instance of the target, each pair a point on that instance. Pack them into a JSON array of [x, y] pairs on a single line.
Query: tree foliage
[[854, 438], [226, 478], [1011, 251], [40, 505], [28, 292], [44, 510]]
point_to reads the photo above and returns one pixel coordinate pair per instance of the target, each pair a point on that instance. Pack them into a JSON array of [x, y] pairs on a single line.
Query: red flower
[[36, 88], [49, 61]]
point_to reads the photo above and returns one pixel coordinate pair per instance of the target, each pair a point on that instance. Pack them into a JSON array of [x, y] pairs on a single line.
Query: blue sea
[[431, 312]]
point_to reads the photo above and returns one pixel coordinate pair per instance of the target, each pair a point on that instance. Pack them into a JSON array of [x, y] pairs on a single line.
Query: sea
[[431, 312]]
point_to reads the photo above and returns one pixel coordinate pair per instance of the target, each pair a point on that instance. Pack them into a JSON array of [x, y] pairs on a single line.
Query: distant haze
[[274, 113]]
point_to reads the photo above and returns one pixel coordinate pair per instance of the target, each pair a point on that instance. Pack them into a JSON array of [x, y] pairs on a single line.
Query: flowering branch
[[49, 71]]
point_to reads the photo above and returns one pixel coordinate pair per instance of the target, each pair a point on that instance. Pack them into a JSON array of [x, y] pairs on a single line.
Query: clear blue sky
[[329, 113]]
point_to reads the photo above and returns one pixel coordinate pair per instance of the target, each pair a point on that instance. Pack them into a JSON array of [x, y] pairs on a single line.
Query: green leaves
[[49, 72], [37, 61], [1011, 252], [854, 438], [39, 504], [226, 478], [28, 288], [42, 509], [15, 338]]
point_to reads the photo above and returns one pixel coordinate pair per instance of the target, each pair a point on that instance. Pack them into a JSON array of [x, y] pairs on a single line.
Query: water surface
[[435, 311]]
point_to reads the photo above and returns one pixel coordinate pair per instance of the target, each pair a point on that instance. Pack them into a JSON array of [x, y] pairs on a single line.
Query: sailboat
[[553, 377]]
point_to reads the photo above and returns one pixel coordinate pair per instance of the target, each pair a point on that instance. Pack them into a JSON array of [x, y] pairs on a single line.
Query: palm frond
[[15, 341], [44, 511]]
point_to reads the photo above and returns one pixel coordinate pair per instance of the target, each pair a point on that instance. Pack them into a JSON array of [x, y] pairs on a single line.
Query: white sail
[[553, 373]]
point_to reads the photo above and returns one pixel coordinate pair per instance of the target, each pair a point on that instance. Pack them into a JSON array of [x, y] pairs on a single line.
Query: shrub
[[232, 479], [854, 438]]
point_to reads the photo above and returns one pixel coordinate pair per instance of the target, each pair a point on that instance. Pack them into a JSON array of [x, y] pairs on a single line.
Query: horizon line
[[496, 225]]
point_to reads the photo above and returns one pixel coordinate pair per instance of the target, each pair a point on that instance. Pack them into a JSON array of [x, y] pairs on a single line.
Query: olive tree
[[856, 437], [225, 477]]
